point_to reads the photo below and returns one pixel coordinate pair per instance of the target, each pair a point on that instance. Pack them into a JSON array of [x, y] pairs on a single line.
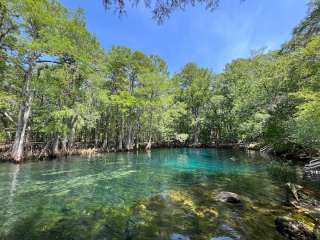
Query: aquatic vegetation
[[282, 172], [128, 196]]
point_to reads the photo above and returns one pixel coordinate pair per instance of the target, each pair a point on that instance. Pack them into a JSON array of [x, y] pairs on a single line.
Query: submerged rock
[[177, 236], [231, 231], [293, 230], [229, 197], [228, 233], [204, 212], [172, 198]]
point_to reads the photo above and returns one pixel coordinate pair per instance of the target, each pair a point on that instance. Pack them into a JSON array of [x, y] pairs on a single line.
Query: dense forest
[[61, 91]]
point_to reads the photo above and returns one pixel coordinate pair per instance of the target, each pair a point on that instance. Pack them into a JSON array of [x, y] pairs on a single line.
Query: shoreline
[[39, 155], [82, 151]]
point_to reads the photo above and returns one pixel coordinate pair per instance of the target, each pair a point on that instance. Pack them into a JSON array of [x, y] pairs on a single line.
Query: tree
[[62, 92], [306, 128], [8, 28], [45, 39], [309, 26], [162, 10], [195, 92]]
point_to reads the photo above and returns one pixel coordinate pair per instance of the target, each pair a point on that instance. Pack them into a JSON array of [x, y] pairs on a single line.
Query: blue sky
[[210, 39]]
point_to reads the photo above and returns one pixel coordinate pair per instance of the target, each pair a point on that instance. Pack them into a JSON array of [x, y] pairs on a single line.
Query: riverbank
[[41, 152]]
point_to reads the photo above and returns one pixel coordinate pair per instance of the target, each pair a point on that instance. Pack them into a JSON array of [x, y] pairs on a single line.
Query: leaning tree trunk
[[148, 147], [17, 152]]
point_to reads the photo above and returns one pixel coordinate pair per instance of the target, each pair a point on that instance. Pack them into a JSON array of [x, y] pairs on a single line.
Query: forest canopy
[[60, 89]]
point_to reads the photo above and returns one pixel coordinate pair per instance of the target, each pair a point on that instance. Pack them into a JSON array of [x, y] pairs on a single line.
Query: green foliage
[[171, 120], [182, 137], [253, 128], [122, 97], [306, 128]]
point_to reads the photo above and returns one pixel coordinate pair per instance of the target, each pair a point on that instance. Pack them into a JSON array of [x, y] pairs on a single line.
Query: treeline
[[61, 91]]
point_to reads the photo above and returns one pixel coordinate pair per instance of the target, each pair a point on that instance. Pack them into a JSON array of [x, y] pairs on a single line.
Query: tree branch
[[48, 61]]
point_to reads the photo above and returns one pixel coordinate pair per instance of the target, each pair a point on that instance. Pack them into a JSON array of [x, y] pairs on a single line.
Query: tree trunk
[[55, 146], [96, 137], [64, 144], [17, 152], [105, 141], [148, 147], [196, 132], [121, 134], [196, 137], [72, 134], [129, 140], [71, 137]]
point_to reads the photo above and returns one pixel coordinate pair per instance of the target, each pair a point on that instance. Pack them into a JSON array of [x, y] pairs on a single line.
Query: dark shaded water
[[156, 195]]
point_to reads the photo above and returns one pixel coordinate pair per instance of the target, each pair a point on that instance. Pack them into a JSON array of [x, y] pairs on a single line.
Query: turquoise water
[[156, 195]]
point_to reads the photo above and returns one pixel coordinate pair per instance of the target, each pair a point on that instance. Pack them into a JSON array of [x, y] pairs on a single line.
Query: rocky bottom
[[196, 212]]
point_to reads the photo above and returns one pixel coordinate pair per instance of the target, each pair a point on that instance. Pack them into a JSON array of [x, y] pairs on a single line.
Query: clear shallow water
[[145, 196]]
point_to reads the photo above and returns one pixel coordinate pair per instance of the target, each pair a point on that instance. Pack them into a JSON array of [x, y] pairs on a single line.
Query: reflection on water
[[14, 182], [157, 195]]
